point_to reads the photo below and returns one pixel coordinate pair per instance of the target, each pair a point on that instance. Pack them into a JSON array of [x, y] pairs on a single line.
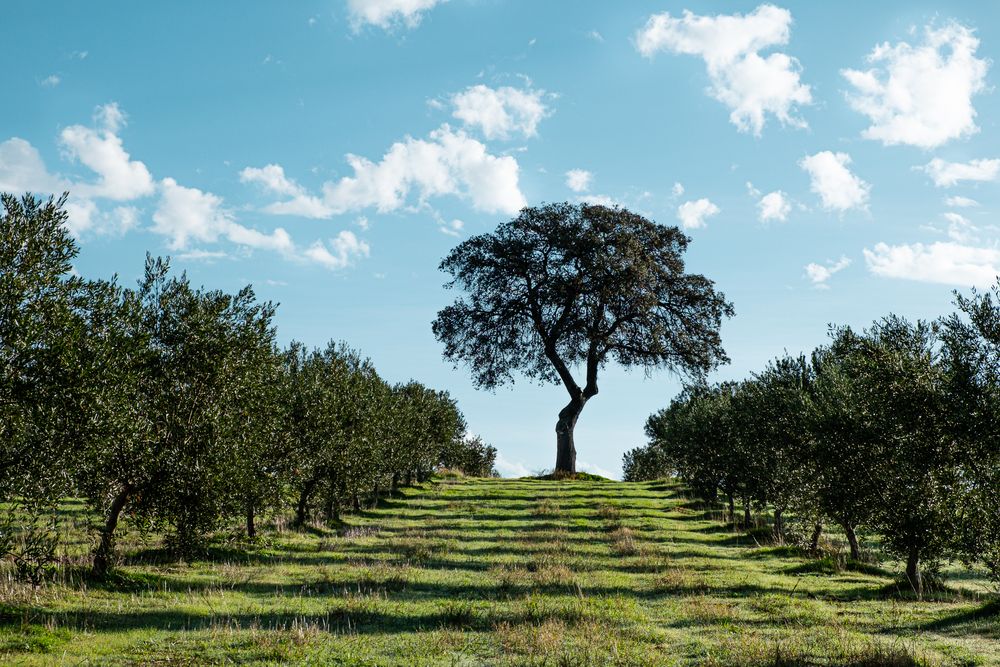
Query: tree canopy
[[563, 286]]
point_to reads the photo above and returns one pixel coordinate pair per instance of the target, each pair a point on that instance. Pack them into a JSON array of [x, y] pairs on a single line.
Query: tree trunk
[[375, 492], [814, 541], [732, 509], [251, 526], [779, 525], [102, 557], [303, 506], [356, 502], [852, 539], [746, 515], [565, 448], [913, 572], [395, 483]]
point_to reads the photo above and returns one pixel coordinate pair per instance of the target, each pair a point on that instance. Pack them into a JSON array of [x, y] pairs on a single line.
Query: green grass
[[499, 572]]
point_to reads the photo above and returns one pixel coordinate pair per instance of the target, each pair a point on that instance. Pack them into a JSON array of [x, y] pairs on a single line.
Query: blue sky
[[832, 162]]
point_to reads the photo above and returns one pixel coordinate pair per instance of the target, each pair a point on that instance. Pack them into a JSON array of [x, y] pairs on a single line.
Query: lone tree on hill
[[564, 286]]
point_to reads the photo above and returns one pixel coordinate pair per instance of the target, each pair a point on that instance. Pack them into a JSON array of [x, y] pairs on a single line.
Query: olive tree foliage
[[891, 429], [470, 455], [40, 363], [770, 427], [912, 457], [41, 379], [185, 412], [971, 353], [563, 287]]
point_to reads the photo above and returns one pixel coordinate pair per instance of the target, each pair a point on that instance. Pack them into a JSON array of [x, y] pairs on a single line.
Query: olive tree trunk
[[852, 539], [565, 447], [913, 571], [105, 549]]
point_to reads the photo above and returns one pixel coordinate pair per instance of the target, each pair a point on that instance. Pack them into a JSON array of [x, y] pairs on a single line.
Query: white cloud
[[453, 228], [510, 468], [774, 206], [836, 186], [960, 202], [23, 170], [946, 174], [693, 214], [579, 180], [820, 274], [448, 163], [677, 190], [960, 228], [84, 216], [51, 81], [388, 14], [751, 85], [596, 36], [921, 95], [344, 249], [944, 262], [272, 178], [186, 214], [502, 112], [100, 149]]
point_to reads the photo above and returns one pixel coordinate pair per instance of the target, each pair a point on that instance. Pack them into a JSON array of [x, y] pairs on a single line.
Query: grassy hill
[[505, 572]]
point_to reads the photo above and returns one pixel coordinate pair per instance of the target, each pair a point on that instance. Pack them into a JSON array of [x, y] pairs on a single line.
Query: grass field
[[504, 572]]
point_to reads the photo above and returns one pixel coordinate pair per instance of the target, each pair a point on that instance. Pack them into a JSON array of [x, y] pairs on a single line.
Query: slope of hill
[[506, 572]]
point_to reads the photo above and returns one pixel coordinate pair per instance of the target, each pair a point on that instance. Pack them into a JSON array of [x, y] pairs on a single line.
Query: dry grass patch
[[546, 507], [625, 542]]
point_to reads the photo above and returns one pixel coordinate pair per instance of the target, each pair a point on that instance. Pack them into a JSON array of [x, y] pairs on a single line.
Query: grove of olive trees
[[892, 430], [173, 405]]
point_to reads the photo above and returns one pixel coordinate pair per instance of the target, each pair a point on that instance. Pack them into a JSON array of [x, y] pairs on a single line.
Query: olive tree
[[563, 286], [972, 355], [40, 325]]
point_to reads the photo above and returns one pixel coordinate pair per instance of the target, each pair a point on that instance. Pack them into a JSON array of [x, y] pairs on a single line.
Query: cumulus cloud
[[774, 206], [342, 251], [750, 84], [500, 113], [273, 180], [693, 214], [100, 149], [23, 170], [183, 215], [84, 216], [944, 262], [677, 190], [449, 162], [960, 202], [946, 174], [388, 14], [819, 274], [837, 187], [51, 81], [921, 95], [579, 180]]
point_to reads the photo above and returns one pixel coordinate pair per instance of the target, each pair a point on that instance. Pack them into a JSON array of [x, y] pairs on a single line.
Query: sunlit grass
[[499, 572]]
